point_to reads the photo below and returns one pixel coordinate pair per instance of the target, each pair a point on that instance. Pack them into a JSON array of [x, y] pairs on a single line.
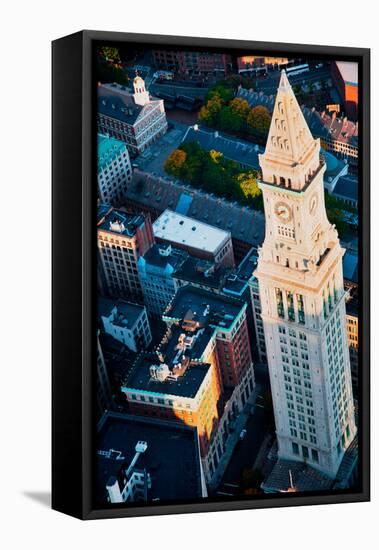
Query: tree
[[296, 89], [312, 87], [222, 91], [259, 120], [229, 121], [209, 113], [175, 162], [249, 190], [110, 54], [239, 107]]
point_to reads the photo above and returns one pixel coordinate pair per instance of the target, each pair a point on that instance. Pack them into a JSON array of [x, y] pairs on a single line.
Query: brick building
[[345, 78], [192, 63], [134, 118], [201, 374]]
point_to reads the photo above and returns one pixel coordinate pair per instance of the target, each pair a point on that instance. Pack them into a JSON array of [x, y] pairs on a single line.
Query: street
[[247, 450]]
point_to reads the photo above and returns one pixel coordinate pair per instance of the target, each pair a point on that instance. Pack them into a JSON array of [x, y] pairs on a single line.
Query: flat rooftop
[[238, 281], [196, 270], [199, 341], [186, 385], [171, 457], [118, 221], [205, 307], [127, 312], [108, 148], [182, 230], [153, 257], [161, 193]]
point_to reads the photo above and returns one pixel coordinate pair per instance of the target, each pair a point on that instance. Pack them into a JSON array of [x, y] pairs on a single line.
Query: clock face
[[313, 204], [283, 212]]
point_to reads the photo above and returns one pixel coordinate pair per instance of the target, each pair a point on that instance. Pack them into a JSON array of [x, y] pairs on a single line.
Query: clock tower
[[302, 296]]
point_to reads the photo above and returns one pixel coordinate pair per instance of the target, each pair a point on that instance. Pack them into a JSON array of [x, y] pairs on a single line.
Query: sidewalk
[[234, 438]]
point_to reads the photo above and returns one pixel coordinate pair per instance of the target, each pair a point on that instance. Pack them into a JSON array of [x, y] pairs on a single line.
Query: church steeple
[[292, 155]]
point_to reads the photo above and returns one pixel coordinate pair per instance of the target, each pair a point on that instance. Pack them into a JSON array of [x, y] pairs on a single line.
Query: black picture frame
[[74, 273]]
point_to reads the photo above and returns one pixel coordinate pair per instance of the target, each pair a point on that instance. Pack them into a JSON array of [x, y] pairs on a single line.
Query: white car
[[243, 434]]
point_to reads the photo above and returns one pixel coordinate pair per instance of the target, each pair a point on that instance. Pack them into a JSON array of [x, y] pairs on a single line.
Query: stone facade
[[302, 297]]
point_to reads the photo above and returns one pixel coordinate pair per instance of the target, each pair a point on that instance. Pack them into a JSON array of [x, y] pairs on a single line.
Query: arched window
[[282, 181]]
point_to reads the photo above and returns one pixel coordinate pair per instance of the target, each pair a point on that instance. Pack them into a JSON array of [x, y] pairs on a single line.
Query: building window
[[314, 455], [295, 448], [279, 302], [290, 306], [300, 309]]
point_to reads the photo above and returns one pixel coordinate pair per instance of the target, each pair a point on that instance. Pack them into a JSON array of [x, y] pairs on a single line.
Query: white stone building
[[302, 297]]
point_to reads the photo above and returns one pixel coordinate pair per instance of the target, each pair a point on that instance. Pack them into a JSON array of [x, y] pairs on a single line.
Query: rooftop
[[177, 228], [127, 313], [117, 102], [171, 457], [175, 256], [238, 281], [242, 152], [118, 221], [160, 193], [108, 148], [320, 124], [347, 187], [102, 211], [203, 307], [184, 381], [196, 270], [304, 477], [349, 71], [334, 166], [350, 266]]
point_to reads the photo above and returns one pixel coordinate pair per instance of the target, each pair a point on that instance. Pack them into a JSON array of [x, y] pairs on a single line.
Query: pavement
[[153, 159]]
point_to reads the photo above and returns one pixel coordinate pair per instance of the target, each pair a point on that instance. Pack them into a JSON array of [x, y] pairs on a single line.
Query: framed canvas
[[210, 275]]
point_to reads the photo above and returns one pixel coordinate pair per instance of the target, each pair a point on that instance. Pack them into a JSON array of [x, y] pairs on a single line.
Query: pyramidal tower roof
[[289, 135], [290, 143]]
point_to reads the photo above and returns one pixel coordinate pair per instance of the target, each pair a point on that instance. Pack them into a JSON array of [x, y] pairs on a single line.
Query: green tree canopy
[[229, 121], [259, 120], [209, 113], [175, 162], [239, 107], [211, 171]]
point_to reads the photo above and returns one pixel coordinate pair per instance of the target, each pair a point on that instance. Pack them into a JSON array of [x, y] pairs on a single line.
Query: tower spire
[[292, 155]]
